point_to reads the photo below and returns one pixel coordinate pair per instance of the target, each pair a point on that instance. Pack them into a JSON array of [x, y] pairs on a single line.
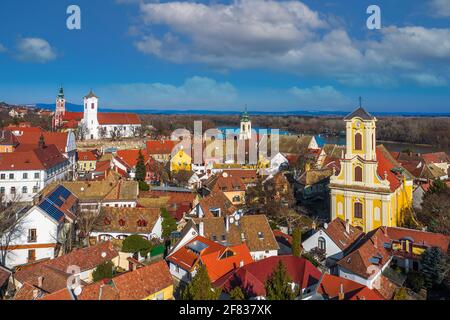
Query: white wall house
[[321, 240], [37, 238], [24, 174]]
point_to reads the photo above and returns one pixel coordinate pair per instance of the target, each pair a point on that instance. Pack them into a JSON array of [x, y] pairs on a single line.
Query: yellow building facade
[[371, 189], [181, 162]]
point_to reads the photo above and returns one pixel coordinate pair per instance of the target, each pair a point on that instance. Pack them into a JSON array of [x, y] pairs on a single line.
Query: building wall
[[331, 249], [164, 294], [46, 238], [259, 255]]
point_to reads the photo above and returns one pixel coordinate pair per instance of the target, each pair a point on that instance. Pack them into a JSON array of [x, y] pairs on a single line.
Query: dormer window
[[122, 222], [260, 235]]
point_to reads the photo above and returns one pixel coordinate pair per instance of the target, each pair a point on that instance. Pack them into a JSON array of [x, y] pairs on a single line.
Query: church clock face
[[358, 124]]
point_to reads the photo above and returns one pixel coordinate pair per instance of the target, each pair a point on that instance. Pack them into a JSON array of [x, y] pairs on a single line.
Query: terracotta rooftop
[[90, 155], [111, 118], [129, 220], [428, 239], [254, 230], [36, 159], [130, 157], [336, 230], [252, 277], [155, 147], [331, 286]]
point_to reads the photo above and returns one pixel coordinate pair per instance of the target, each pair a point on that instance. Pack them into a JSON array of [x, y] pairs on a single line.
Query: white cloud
[[288, 36], [35, 50], [317, 96], [2, 48], [194, 92], [440, 8]]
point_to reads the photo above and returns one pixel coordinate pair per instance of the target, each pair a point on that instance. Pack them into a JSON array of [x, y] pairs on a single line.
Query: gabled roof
[[427, 239], [54, 272], [216, 200], [130, 157], [155, 147], [7, 138], [90, 155], [386, 164], [331, 286], [252, 277], [134, 220], [368, 254], [436, 157], [360, 113], [59, 204], [254, 230], [111, 118], [336, 230], [211, 254], [31, 140], [36, 159], [133, 285]]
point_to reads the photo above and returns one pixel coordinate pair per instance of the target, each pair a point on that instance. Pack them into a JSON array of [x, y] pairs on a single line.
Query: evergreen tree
[[169, 224], [433, 266], [296, 242], [237, 294], [278, 285], [200, 287], [135, 243], [437, 186], [103, 271], [140, 167]]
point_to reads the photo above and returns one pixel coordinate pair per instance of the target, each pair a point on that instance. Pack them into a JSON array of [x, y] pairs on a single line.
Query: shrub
[[136, 243], [415, 281], [103, 271]]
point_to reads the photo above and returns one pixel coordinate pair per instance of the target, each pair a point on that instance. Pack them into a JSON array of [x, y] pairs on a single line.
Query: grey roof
[[360, 113], [91, 95]]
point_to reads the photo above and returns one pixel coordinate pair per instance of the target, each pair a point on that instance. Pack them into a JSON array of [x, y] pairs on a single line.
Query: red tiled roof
[[436, 157], [359, 261], [428, 239], [118, 118], [160, 146], [211, 257], [25, 129], [252, 277], [130, 157], [31, 139], [7, 138], [90, 155], [73, 116], [36, 159], [385, 164], [331, 286], [336, 230], [86, 258]]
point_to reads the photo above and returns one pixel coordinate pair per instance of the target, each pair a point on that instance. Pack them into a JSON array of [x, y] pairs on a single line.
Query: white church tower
[[90, 115], [245, 132]]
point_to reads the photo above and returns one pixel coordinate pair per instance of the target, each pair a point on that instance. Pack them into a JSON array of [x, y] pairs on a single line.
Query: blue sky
[[223, 55]]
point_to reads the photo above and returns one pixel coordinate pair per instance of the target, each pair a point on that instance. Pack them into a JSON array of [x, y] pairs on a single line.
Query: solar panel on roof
[[197, 246], [51, 209]]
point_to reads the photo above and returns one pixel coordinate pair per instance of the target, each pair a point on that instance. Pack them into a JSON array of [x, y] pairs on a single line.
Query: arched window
[[358, 174], [358, 212], [322, 243], [358, 141]]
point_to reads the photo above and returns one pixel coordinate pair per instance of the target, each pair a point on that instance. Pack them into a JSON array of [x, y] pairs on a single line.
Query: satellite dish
[[237, 216], [77, 291], [103, 254], [225, 175], [231, 220]]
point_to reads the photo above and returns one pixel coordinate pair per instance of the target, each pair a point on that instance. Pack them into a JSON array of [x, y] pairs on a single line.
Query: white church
[[96, 124]]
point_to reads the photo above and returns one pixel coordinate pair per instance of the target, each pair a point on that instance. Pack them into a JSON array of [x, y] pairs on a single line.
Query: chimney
[[241, 263], [35, 293], [227, 224], [347, 226], [341, 292], [40, 281], [201, 228]]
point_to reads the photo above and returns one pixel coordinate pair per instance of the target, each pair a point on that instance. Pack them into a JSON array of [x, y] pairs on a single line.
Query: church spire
[[61, 92]]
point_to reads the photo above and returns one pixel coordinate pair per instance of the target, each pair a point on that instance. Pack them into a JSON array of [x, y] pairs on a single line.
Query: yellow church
[[371, 188]]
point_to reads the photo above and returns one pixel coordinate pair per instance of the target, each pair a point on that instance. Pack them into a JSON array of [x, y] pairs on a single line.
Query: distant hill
[[79, 108]]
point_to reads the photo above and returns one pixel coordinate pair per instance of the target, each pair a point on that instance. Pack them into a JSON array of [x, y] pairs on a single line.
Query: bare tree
[[11, 226], [102, 132], [115, 134], [81, 131], [88, 220]]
